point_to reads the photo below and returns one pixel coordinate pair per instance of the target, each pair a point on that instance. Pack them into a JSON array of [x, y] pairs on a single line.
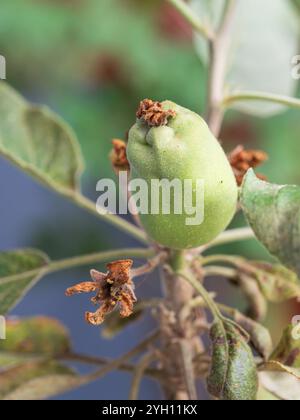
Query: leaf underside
[[248, 69], [14, 280], [38, 141], [273, 211]]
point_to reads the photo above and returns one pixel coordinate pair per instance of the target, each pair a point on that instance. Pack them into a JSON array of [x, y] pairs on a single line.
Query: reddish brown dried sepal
[[118, 156], [152, 113], [242, 160]]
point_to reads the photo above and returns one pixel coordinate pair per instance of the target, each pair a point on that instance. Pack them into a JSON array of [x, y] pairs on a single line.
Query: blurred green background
[[92, 61]]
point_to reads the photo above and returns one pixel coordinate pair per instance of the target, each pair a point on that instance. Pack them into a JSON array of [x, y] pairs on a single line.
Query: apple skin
[[183, 149]]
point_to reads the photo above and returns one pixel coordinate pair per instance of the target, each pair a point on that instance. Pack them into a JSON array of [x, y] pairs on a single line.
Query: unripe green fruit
[[183, 148]]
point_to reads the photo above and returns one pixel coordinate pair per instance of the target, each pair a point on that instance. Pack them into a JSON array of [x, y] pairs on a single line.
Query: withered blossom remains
[[152, 113], [118, 156], [241, 160], [114, 288]]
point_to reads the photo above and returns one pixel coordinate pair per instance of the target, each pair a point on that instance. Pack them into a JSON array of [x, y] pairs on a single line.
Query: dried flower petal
[[85, 287], [97, 276], [114, 288], [241, 160], [152, 113], [119, 271], [98, 317], [118, 156], [126, 305]]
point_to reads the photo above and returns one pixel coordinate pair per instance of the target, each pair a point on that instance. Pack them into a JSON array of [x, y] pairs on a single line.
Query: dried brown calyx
[[152, 113], [241, 160], [118, 156], [114, 289]]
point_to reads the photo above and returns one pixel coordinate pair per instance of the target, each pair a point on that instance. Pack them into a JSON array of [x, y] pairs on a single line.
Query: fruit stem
[[205, 295], [177, 260]]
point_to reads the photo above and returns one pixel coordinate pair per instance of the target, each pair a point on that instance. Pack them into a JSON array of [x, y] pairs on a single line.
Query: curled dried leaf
[[153, 113], [276, 282], [114, 288], [259, 335], [257, 304]]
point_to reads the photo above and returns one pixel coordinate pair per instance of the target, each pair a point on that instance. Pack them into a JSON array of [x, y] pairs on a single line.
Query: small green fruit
[[170, 142]]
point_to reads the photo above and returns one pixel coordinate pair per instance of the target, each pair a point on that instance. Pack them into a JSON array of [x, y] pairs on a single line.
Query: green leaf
[[281, 385], [276, 283], [233, 375], [38, 141], [8, 360], [248, 66], [39, 336], [275, 366], [257, 305], [28, 370], [15, 382], [281, 380], [45, 387], [273, 211], [19, 271], [259, 335], [264, 395], [288, 349]]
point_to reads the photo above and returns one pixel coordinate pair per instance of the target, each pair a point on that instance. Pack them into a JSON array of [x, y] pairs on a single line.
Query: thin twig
[[188, 367], [101, 257], [196, 302], [81, 260], [115, 364], [139, 372], [192, 18], [107, 217], [228, 259], [204, 293], [260, 96], [151, 265], [96, 361], [232, 235], [217, 70], [226, 272]]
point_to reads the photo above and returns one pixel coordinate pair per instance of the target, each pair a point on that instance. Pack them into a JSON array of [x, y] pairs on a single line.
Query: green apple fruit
[[169, 142]]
